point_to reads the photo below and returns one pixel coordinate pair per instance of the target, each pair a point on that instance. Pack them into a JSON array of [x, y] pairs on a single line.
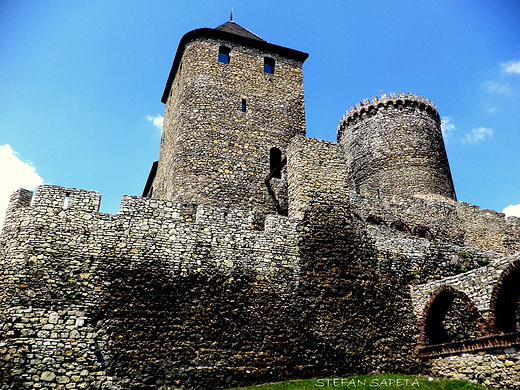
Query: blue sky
[[81, 82]]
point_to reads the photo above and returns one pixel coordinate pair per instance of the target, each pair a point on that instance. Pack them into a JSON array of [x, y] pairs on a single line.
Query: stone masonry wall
[[380, 254], [86, 296], [477, 284], [166, 294], [212, 152], [395, 144], [499, 368], [483, 292], [446, 221], [488, 229], [315, 170], [162, 295]]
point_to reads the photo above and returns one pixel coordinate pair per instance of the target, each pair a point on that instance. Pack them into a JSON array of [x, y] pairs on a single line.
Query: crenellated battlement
[[371, 106], [61, 221], [66, 198], [208, 215], [19, 198], [51, 197]]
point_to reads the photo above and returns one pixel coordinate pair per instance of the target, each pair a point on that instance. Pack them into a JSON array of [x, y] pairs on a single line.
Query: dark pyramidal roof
[[230, 32], [233, 28]]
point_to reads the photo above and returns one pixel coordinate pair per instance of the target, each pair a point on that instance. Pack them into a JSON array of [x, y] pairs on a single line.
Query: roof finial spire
[[231, 15]]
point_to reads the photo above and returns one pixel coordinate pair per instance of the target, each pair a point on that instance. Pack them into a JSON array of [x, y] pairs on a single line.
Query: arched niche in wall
[[504, 307], [275, 158], [450, 316]]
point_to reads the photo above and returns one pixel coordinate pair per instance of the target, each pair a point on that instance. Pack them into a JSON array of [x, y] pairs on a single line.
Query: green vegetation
[[386, 382], [461, 268]]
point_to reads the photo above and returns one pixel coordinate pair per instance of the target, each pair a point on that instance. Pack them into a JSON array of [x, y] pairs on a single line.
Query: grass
[[386, 382]]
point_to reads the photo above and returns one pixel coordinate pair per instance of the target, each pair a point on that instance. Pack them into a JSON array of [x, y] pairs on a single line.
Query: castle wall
[[488, 229], [172, 294], [438, 217], [84, 292], [490, 355], [476, 284], [499, 368], [211, 151], [446, 221], [461, 240], [374, 256], [316, 172]]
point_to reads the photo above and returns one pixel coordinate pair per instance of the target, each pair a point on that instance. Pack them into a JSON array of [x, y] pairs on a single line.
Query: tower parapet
[[394, 144], [374, 103]]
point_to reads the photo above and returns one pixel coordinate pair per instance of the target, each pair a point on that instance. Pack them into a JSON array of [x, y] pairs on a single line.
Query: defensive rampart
[[75, 280], [171, 294], [317, 172]]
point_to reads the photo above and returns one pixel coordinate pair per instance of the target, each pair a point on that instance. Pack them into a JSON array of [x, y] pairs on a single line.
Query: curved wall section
[[394, 145]]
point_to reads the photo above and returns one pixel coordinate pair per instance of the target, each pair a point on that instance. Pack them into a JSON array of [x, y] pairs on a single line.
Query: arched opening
[[434, 328], [275, 158], [504, 301], [450, 316]]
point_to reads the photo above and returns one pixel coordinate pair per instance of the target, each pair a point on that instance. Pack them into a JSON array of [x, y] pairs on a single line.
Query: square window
[[223, 54], [268, 65]]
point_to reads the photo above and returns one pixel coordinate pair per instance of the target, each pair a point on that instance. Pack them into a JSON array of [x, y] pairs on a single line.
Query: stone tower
[[233, 103], [394, 146]]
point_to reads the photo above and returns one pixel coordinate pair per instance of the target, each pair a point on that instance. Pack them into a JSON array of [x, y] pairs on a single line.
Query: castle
[[256, 254]]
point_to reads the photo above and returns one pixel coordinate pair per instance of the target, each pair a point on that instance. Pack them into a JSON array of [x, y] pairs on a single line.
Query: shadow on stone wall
[[360, 295], [206, 331], [351, 314]]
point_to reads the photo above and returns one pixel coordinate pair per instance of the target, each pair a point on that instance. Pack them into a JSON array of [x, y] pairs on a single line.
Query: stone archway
[[504, 303], [449, 316]]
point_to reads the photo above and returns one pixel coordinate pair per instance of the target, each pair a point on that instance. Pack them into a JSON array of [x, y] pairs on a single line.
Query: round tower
[[233, 103], [394, 146]]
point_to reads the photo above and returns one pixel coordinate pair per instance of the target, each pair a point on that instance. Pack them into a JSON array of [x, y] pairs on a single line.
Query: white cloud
[[447, 126], [511, 67], [156, 120], [478, 134], [512, 210], [496, 87], [14, 174]]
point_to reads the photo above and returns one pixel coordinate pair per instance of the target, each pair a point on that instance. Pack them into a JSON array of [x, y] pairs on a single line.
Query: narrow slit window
[[66, 201], [275, 156], [244, 105], [268, 65], [223, 54]]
